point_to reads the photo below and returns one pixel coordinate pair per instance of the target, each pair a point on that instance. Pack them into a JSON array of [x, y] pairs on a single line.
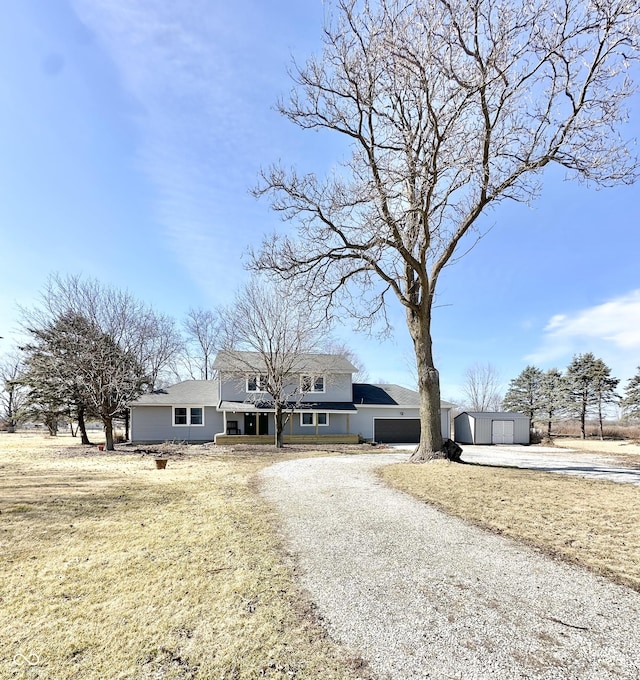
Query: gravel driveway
[[548, 459], [419, 594]]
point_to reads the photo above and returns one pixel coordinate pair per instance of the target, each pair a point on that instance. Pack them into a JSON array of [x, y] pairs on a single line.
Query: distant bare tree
[[280, 330], [361, 375], [450, 107], [202, 328], [482, 387], [13, 394]]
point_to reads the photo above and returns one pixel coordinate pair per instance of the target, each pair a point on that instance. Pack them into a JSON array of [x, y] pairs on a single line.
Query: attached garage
[[491, 428], [396, 430]]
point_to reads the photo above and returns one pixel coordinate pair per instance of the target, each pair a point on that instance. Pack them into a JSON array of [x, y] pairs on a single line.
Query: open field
[[113, 569], [627, 451], [592, 523]]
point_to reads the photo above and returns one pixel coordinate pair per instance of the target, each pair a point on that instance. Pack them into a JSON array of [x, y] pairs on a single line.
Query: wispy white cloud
[[610, 330], [199, 74]]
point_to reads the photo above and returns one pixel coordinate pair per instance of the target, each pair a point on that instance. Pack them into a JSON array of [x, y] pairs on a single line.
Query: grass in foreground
[[595, 524], [113, 569]]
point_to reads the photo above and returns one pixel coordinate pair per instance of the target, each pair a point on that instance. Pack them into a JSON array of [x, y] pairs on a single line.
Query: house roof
[[305, 363], [198, 392], [322, 406], [365, 394]]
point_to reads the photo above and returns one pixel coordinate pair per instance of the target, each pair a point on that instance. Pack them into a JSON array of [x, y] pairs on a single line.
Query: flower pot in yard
[[161, 463], [100, 447]]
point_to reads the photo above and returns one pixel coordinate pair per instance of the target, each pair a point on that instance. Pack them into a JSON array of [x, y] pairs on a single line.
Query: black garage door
[[397, 430]]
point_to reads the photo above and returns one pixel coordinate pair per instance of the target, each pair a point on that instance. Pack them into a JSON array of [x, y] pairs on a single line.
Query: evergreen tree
[[552, 396], [589, 385], [523, 393], [631, 401], [73, 364]]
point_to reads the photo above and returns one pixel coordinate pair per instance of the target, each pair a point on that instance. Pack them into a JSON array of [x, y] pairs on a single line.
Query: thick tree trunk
[[127, 418], [279, 423], [82, 426], [108, 433], [431, 444]]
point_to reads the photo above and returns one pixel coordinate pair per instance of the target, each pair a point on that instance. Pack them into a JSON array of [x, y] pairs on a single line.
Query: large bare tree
[[270, 330], [450, 107]]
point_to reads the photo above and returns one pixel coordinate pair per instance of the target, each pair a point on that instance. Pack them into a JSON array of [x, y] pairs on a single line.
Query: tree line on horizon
[[584, 390]]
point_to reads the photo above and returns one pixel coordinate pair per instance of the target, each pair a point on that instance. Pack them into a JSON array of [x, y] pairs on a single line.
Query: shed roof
[[304, 363], [203, 392], [508, 415]]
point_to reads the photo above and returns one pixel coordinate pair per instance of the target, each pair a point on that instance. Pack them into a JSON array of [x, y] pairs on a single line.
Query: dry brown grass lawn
[[625, 451], [592, 523], [113, 569]]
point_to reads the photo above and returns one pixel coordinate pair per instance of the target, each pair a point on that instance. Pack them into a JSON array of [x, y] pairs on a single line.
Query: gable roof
[[192, 392], [365, 394], [237, 361]]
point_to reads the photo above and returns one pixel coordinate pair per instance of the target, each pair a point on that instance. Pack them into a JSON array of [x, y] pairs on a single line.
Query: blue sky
[[132, 130]]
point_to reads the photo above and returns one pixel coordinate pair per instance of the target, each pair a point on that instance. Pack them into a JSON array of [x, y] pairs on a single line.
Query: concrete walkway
[[548, 459], [420, 594]]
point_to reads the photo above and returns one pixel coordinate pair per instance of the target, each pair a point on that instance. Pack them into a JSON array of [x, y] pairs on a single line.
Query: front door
[[255, 423], [263, 424], [250, 423]]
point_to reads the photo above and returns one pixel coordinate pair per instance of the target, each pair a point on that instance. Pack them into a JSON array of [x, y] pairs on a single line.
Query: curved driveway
[[549, 459], [419, 594]]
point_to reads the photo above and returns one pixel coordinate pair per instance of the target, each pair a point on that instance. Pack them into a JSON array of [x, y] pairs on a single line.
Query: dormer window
[[312, 383]]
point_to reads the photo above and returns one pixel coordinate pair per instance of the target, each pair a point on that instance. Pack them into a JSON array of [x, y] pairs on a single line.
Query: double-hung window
[[312, 383], [312, 419], [188, 415], [256, 383]]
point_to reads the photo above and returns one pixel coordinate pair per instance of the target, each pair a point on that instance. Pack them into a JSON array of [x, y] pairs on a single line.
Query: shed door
[[502, 432], [396, 430]]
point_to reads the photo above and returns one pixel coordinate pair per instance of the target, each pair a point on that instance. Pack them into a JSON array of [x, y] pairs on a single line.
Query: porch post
[[348, 423]]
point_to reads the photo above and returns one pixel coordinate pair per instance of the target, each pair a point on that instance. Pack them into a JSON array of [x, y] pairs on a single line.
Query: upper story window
[[188, 415], [312, 383], [256, 383]]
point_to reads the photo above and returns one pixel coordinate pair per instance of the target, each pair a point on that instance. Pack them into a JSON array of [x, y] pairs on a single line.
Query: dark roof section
[[388, 395], [267, 405], [305, 363]]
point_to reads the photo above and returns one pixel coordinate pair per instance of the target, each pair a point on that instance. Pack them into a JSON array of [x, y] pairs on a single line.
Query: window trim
[[260, 379], [314, 419], [188, 410], [312, 380]]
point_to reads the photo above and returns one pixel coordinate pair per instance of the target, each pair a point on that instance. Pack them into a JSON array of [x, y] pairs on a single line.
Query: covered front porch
[[266, 439], [307, 423]]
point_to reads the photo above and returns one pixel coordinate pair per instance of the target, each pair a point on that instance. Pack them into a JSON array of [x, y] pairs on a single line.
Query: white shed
[[473, 427]]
